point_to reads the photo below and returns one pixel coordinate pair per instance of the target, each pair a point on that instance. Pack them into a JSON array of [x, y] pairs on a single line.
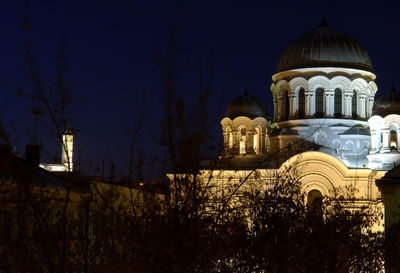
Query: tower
[[67, 150], [323, 93], [245, 131]]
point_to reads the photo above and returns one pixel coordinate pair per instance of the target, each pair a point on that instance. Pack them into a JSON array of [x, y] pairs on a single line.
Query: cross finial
[[324, 23]]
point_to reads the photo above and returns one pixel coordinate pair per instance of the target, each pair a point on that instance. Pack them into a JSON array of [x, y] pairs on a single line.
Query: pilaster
[[329, 104], [293, 106], [281, 111], [362, 112], [310, 104], [385, 141], [276, 117], [347, 104]]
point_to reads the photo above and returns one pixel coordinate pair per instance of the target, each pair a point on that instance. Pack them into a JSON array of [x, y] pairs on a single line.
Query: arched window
[[354, 102], [319, 103], [314, 200], [338, 103], [393, 138], [256, 141], [242, 145], [287, 106], [302, 103]]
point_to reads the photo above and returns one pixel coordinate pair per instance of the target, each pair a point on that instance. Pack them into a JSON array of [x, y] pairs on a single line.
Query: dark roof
[[388, 103], [393, 173], [283, 131], [357, 129], [245, 105], [324, 46], [241, 162]]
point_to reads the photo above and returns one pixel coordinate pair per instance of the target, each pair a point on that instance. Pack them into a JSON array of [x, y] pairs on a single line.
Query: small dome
[[324, 46], [387, 104], [247, 106]]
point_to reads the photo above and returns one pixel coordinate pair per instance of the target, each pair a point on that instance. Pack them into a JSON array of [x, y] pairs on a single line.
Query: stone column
[[309, 95], [378, 142], [362, 113], [290, 98], [329, 105], [293, 105], [276, 117], [347, 104], [385, 141], [281, 111]]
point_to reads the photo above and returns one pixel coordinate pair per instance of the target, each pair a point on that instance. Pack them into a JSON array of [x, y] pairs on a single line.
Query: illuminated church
[[326, 120]]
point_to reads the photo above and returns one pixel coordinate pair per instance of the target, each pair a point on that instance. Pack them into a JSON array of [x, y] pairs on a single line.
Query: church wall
[[315, 170]]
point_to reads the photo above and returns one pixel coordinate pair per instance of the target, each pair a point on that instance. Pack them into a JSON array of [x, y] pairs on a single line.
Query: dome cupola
[[245, 127], [387, 104], [245, 105], [324, 46]]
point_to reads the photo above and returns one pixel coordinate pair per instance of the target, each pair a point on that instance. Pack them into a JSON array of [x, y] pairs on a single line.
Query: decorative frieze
[[365, 92]]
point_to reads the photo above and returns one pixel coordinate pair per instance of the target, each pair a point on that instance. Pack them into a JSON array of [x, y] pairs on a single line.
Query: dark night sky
[[110, 48]]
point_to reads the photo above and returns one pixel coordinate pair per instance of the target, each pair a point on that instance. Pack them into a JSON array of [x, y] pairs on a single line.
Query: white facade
[[243, 135], [325, 106], [324, 122], [385, 137]]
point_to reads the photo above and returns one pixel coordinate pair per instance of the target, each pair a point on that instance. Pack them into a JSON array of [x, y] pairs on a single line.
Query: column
[[281, 111], [293, 105], [385, 141], [329, 107], [309, 103], [347, 104], [378, 140], [276, 109], [362, 109]]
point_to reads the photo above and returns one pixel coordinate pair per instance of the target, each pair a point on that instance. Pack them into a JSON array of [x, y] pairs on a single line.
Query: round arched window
[[314, 200]]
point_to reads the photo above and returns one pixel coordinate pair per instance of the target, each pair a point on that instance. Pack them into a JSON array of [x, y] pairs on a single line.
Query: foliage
[[109, 228], [76, 224]]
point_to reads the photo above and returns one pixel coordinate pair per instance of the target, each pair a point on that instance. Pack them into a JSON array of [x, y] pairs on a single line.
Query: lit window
[[242, 148]]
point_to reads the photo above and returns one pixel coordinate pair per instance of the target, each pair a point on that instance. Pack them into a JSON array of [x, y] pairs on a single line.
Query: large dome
[[387, 104], [247, 106], [324, 46]]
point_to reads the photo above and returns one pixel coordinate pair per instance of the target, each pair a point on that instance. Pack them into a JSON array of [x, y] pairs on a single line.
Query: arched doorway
[[314, 201]]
